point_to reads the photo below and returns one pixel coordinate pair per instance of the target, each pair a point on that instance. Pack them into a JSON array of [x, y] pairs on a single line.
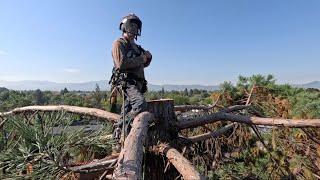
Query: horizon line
[[152, 83]]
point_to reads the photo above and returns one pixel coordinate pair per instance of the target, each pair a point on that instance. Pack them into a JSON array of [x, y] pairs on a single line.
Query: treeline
[[10, 99], [295, 102]]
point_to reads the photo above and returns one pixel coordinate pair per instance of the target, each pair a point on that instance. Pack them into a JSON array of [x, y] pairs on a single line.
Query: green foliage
[[97, 97], [49, 145], [11, 99], [306, 105], [64, 91], [178, 99], [38, 97], [2, 89]]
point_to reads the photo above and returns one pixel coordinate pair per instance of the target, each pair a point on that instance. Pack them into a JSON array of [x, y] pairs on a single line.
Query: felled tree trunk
[[183, 165], [72, 109], [221, 116], [102, 164], [130, 160]]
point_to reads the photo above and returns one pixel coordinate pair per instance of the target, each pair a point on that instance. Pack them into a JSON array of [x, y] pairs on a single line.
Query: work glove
[[148, 58]]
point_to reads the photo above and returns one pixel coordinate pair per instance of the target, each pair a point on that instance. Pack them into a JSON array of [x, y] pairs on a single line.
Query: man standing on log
[[128, 78]]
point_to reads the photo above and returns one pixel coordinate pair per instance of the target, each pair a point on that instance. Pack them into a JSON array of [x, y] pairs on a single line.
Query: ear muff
[[124, 21]]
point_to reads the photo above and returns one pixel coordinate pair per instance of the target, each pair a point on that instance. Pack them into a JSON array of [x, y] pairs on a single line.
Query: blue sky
[[192, 42]]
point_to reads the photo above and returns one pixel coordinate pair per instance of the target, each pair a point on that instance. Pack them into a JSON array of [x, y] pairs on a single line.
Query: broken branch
[[183, 165], [72, 109]]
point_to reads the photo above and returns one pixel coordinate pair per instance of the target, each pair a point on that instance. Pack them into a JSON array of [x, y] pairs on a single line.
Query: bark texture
[[72, 109], [221, 116], [183, 165], [94, 166], [130, 159]]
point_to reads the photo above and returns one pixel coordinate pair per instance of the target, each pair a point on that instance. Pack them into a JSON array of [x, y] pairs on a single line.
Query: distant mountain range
[[313, 84], [90, 86]]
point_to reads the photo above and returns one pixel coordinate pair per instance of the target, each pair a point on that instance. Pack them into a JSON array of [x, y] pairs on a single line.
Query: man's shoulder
[[120, 41]]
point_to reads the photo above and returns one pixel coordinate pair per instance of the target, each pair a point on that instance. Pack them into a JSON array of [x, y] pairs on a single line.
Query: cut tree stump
[[165, 119], [162, 130], [131, 156]]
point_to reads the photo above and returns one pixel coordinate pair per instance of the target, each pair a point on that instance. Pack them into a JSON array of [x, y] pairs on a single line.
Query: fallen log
[[234, 108], [221, 116], [210, 135], [94, 166], [101, 164], [130, 159], [183, 165], [71, 109]]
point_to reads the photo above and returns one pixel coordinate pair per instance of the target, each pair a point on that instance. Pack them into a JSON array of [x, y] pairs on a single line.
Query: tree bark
[[130, 159], [221, 116], [94, 166], [72, 109], [183, 165], [163, 130], [234, 108], [164, 117]]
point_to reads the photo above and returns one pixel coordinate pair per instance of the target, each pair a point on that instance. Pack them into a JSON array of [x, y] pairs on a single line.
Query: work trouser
[[134, 103]]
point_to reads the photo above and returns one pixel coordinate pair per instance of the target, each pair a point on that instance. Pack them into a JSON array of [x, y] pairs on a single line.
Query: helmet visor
[[132, 28]]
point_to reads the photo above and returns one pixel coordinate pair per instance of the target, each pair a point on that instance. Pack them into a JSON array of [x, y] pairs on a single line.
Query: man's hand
[[148, 54], [147, 57]]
